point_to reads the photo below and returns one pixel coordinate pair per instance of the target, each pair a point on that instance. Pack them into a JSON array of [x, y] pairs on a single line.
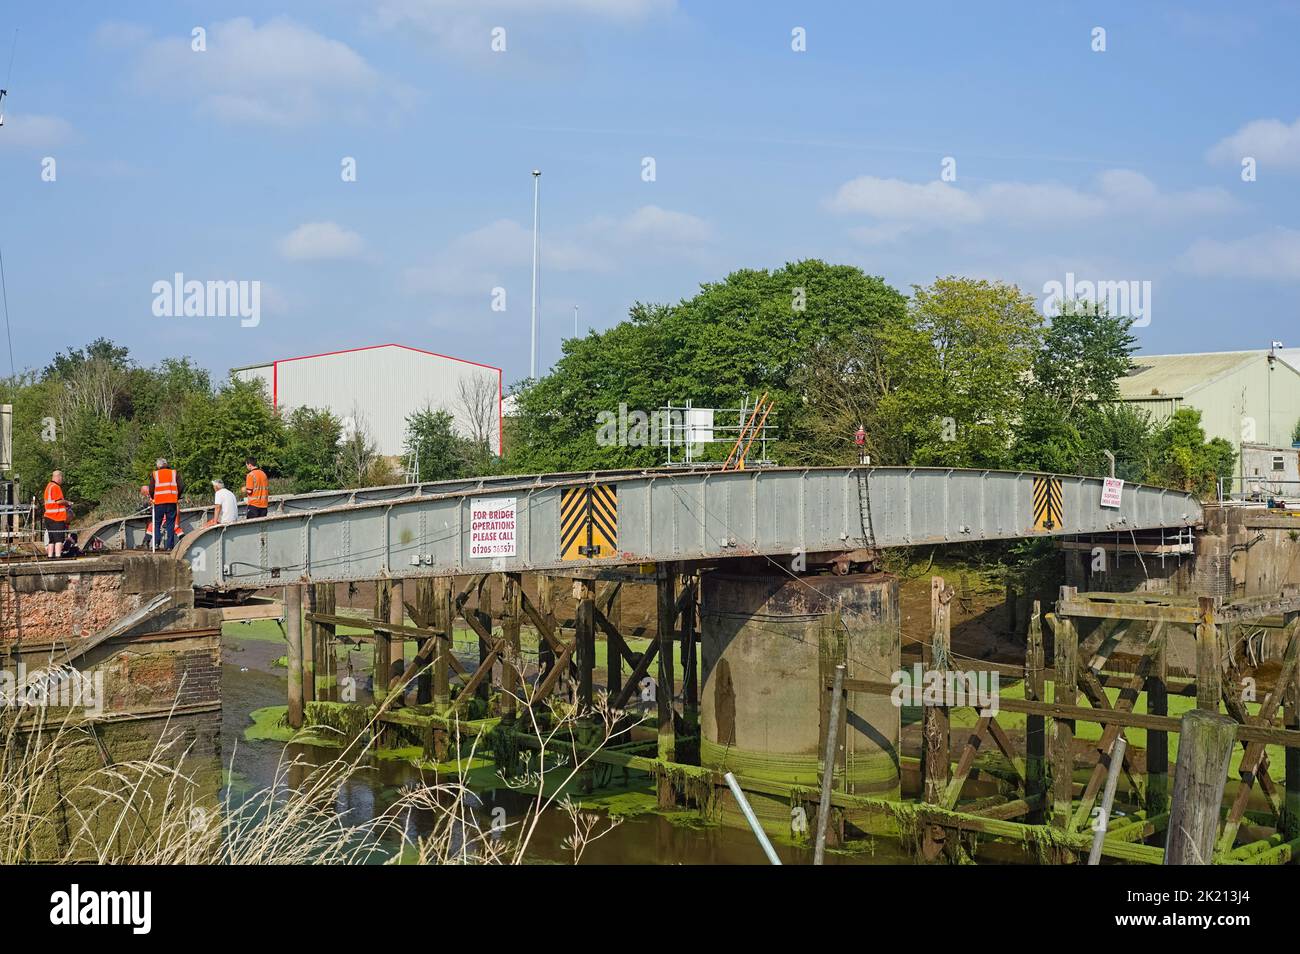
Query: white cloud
[[653, 224], [893, 200], [475, 262], [1271, 142], [32, 131], [1272, 255], [465, 25], [278, 74], [900, 207], [317, 241]]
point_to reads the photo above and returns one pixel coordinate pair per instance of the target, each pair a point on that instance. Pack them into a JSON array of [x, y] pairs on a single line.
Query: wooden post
[[1065, 691], [1291, 720], [830, 757], [293, 633], [1205, 743], [396, 644], [584, 626], [1036, 725], [937, 753], [1209, 671], [442, 621], [484, 613], [326, 660], [665, 626], [690, 655], [1157, 755], [614, 651], [512, 665], [310, 643], [423, 603], [546, 606], [382, 658]]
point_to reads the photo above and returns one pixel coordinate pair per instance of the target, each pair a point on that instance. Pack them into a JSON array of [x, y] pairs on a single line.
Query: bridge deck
[[130, 532], [619, 518]]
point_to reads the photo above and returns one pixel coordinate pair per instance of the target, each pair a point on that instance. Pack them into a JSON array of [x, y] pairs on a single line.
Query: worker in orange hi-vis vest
[[165, 491], [56, 516], [148, 505], [258, 490]]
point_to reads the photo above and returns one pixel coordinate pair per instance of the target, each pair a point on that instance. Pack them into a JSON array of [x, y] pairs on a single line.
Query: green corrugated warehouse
[[1243, 396]]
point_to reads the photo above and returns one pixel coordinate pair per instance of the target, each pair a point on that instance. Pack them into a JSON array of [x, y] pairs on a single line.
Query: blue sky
[[225, 164]]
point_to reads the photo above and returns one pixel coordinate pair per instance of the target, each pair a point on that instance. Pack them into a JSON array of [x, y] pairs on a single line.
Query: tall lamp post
[[537, 188]]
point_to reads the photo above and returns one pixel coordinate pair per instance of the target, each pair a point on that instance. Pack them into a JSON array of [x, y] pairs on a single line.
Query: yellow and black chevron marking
[[588, 522], [1049, 508]]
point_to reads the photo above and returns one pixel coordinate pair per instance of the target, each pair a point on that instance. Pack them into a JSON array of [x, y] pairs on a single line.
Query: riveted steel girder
[[670, 516]]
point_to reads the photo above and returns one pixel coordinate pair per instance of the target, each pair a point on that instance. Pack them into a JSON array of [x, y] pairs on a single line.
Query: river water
[[251, 680]]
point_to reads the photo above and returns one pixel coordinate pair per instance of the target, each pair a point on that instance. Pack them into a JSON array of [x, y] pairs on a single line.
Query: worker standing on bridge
[[165, 491], [258, 490], [225, 509], [56, 516]]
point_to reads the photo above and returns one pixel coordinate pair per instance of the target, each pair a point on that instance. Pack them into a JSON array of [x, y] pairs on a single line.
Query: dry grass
[[163, 809]]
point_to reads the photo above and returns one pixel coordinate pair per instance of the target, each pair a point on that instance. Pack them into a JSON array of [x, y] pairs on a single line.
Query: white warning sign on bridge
[[492, 523], [1112, 492]]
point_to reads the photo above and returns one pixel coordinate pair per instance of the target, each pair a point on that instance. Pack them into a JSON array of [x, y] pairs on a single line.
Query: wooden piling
[[1065, 691], [310, 641], [326, 658], [396, 644], [424, 615], [1035, 725], [1209, 669], [690, 654], [484, 613], [513, 663], [1290, 821], [1157, 755], [293, 634], [936, 759], [614, 650], [665, 627], [546, 606], [584, 626], [1205, 742], [381, 664], [443, 619]]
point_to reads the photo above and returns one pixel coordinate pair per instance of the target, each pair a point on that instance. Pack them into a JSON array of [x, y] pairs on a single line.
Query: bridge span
[[607, 519]]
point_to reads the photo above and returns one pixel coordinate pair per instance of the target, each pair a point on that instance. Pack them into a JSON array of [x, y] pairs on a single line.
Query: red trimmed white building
[[380, 385]]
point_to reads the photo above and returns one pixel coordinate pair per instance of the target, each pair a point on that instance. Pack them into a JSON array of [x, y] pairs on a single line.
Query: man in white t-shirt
[[225, 507]]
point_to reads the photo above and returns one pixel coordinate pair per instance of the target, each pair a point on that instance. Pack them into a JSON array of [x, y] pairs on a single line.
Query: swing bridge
[[601, 519]]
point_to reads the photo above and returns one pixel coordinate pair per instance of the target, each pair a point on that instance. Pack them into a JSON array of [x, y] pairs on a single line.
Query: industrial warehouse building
[[1245, 397], [379, 386]]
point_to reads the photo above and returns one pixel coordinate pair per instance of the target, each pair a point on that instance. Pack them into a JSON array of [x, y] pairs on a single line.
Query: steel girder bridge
[[580, 522]]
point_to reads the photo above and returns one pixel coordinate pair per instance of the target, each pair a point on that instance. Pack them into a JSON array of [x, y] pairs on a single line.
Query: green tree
[[218, 433], [747, 335], [1183, 458], [960, 360], [441, 452], [1083, 355], [311, 450]]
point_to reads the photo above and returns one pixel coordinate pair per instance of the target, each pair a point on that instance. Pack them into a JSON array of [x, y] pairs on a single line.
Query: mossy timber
[[1039, 801]]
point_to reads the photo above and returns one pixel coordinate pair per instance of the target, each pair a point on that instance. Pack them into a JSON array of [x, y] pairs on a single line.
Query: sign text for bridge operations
[[492, 526]]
